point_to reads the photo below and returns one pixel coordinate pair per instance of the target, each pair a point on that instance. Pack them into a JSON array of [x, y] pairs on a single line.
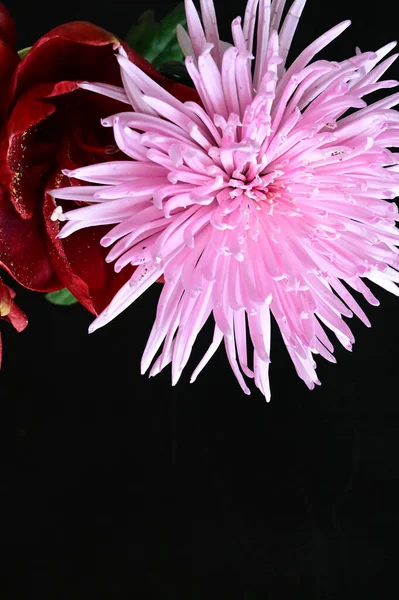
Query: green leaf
[[157, 42], [140, 34], [61, 298], [22, 53], [176, 70]]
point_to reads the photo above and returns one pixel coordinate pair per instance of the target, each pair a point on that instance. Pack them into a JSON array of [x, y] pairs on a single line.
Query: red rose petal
[[24, 154], [22, 249], [80, 261], [72, 52], [81, 51]]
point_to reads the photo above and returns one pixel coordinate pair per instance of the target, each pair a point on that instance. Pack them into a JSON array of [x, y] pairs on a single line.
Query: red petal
[[24, 154], [80, 260], [81, 51], [74, 52], [35, 133], [22, 249], [7, 27]]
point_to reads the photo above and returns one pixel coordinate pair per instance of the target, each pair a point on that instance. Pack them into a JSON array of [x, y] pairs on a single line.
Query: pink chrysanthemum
[[263, 201]]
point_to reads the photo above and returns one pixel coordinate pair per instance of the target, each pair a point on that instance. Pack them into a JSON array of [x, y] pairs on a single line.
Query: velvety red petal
[[76, 51], [79, 260], [24, 153], [7, 27], [22, 249], [81, 51]]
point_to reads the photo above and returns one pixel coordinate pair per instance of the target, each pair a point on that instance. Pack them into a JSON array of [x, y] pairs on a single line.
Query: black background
[[128, 488]]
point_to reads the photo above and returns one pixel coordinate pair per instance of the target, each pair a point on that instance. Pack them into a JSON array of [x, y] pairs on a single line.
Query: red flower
[[9, 311], [49, 124]]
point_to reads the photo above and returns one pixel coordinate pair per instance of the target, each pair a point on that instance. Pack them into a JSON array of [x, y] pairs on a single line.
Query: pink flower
[[267, 199]]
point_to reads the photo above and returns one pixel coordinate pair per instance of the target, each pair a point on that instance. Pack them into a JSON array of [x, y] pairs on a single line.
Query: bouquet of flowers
[[245, 183]]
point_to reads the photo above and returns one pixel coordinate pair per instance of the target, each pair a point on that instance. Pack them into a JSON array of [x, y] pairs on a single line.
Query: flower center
[[256, 189], [254, 185]]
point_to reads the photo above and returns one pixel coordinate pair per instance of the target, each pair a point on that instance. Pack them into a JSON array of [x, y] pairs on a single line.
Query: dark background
[[128, 488]]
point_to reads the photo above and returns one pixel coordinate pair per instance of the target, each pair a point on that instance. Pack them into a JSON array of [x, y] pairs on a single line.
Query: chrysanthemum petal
[[272, 197]]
